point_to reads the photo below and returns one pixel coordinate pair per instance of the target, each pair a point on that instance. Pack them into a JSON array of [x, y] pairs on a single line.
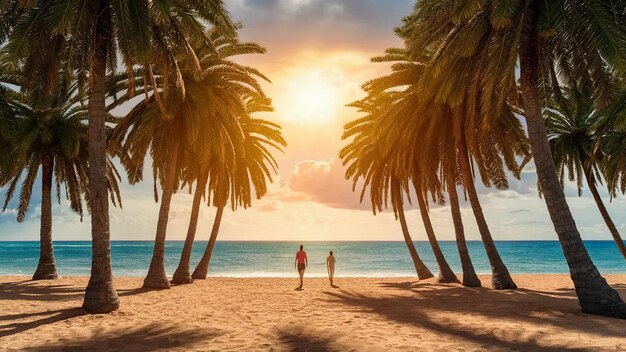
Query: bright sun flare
[[308, 97]]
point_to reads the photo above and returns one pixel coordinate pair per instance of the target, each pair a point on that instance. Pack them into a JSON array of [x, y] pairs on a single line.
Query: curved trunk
[[156, 277], [470, 279], [422, 271], [100, 295], [182, 274], [595, 296], [202, 269], [605, 214], [46, 269], [500, 277], [445, 273]]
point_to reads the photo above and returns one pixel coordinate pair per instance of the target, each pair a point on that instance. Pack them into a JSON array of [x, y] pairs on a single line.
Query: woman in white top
[[330, 266]]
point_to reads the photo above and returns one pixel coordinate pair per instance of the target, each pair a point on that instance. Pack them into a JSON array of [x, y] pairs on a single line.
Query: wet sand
[[267, 314]]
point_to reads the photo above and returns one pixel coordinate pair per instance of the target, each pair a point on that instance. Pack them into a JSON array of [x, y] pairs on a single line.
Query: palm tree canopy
[[572, 130], [50, 35], [56, 128]]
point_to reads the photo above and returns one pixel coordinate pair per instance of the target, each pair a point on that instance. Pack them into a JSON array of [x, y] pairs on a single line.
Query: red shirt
[[301, 257]]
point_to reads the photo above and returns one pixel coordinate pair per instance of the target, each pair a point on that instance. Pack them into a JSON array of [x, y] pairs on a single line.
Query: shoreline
[[267, 314]]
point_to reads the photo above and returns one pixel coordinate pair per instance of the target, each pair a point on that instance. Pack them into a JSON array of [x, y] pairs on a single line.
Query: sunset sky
[[318, 56]]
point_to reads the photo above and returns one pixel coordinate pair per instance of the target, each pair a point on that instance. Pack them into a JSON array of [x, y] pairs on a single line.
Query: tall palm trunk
[[595, 296], [202, 269], [445, 273], [605, 214], [46, 269], [422, 271], [157, 278], [500, 277], [100, 295], [182, 274], [470, 279]]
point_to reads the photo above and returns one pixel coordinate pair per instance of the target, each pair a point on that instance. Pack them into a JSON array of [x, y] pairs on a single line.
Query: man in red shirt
[[301, 263]]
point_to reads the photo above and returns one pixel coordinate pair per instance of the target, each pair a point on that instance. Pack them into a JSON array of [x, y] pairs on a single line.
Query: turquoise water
[[275, 259]]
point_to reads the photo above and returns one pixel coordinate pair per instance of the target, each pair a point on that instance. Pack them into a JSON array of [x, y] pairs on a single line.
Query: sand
[[267, 314]]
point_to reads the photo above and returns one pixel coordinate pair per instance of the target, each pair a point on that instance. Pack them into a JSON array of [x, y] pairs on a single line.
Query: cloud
[[320, 23], [319, 181]]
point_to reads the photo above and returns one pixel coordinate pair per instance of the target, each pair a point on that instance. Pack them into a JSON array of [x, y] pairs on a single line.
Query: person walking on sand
[[301, 263], [330, 266]]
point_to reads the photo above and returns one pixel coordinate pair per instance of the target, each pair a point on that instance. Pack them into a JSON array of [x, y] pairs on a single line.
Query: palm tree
[[546, 37], [369, 157], [218, 152], [6, 114], [52, 136], [446, 275], [251, 170], [488, 146], [86, 37], [213, 95], [572, 132], [611, 145]]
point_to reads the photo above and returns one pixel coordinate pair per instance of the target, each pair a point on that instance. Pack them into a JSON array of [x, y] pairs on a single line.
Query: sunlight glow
[[307, 96]]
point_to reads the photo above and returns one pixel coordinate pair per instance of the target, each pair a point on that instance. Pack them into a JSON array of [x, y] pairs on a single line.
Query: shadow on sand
[[557, 308], [47, 291], [151, 337], [296, 340], [11, 327]]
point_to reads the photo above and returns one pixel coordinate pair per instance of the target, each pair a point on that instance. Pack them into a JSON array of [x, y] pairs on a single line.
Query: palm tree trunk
[[500, 277], [605, 214], [46, 269], [100, 295], [157, 278], [423, 272], [182, 274], [445, 273], [470, 279], [202, 269], [595, 296]]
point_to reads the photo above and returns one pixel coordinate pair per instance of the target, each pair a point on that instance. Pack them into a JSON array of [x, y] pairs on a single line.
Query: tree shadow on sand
[[520, 305], [296, 340], [147, 338], [39, 291], [133, 291], [12, 327]]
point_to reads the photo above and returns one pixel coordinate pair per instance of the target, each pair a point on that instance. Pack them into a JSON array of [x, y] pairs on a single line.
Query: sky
[[317, 57]]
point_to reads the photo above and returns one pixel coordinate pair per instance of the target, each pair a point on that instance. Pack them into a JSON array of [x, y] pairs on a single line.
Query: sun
[[307, 96]]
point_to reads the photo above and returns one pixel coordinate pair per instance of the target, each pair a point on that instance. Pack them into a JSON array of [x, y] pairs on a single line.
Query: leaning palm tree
[[50, 136], [212, 96], [374, 106], [6, 114], [87, 37], [251, 171], [572, 131], [227, 140], [491, 146], [369, 157], [545, 38], [611, 145]]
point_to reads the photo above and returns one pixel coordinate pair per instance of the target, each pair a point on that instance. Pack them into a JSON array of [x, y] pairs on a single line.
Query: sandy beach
[[267, 314]]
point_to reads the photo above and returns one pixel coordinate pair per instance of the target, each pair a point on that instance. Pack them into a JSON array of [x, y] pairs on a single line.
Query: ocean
[[275, 259]]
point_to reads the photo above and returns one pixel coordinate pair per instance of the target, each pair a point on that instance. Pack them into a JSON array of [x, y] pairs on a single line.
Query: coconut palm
[[490, 146], [210, 155], [251, 171], [546, 38], [6, 114], [52, 136], [86, 37], [369, 157], [611, 145], [213, 95], [572, 131]]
